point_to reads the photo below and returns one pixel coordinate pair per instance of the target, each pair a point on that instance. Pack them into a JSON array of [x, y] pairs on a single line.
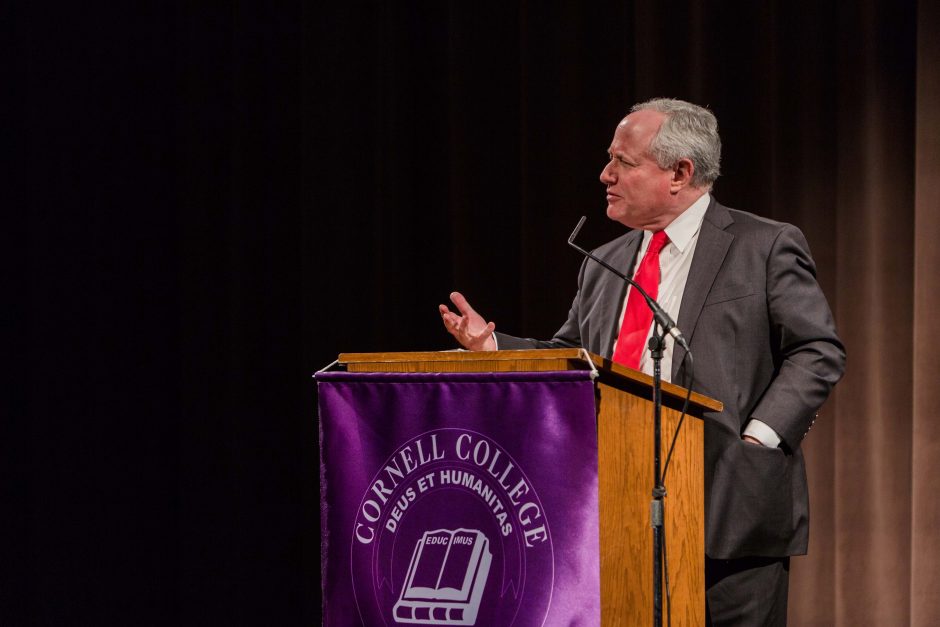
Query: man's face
[[638, 190]]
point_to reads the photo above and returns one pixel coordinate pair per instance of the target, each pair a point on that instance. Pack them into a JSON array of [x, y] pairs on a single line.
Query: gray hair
[[688, 132]]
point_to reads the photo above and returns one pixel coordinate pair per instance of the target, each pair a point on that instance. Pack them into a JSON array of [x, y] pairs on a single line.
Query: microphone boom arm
[[658, 312]]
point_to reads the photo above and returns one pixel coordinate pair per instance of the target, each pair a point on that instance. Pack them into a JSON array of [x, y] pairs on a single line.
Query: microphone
[[658, 312]]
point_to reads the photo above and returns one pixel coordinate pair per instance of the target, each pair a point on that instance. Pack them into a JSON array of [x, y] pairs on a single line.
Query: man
[[743, 291]]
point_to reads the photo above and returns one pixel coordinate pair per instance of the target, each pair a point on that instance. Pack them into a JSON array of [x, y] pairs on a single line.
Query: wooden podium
[[624, 409]]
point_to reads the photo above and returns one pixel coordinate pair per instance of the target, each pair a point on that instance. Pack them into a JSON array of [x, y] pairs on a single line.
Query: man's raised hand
[[468, 327]]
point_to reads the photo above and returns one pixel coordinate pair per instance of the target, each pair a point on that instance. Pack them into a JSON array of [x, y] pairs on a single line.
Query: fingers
[[479, 339], [462, 322], [450, 319], [461, 303], [486, 341], [468, 327]]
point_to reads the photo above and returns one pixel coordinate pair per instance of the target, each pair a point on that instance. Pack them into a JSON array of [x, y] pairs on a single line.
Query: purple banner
[[459, 499]]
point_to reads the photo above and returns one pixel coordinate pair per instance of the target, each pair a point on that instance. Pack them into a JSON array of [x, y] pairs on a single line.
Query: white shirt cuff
[[767, 436]]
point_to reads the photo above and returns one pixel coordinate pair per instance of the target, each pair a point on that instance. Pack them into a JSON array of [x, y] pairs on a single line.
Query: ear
[[682, 173]]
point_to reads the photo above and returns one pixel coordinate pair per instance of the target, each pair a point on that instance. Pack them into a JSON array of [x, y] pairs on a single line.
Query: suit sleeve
[[810, 355]]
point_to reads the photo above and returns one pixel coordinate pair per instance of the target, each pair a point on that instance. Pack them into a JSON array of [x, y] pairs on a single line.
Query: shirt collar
[[683, 228]]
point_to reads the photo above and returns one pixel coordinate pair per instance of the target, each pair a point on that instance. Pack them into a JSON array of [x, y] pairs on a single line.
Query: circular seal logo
[[451, 532]]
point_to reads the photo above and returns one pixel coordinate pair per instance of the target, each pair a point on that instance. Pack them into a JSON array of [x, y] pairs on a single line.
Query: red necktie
[[638, 317]]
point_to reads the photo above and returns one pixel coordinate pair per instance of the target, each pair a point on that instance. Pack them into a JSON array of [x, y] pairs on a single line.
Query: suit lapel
[[614, 291], [710, 251]]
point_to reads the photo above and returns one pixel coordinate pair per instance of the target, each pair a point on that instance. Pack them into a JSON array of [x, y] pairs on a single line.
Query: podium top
[[520, 360]]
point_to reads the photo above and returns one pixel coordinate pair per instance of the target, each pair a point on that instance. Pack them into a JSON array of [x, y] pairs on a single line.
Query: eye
[[619, 159]]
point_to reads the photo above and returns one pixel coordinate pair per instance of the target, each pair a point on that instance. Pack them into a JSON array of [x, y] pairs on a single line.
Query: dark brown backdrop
[[218, 200]]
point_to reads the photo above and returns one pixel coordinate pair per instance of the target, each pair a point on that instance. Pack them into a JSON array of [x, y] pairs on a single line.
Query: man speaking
[[743, 291]]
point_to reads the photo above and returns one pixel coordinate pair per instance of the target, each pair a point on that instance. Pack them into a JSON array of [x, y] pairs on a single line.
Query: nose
[[607, 174]]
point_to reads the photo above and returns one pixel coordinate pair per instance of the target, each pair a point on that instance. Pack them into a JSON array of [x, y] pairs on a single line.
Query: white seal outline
[[551, 544], [460, 462]]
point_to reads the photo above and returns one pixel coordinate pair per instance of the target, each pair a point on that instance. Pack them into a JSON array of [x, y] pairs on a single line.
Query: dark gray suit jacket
[[765, 345]]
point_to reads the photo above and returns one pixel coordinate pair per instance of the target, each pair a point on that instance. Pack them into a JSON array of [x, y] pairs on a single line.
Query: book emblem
[[445, 579]]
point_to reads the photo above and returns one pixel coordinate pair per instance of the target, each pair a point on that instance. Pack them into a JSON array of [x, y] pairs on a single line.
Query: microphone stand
[[663, 324], [657, 516]]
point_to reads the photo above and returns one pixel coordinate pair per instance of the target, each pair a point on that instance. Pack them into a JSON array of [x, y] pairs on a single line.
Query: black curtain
[[218, 199], [166, 454]]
